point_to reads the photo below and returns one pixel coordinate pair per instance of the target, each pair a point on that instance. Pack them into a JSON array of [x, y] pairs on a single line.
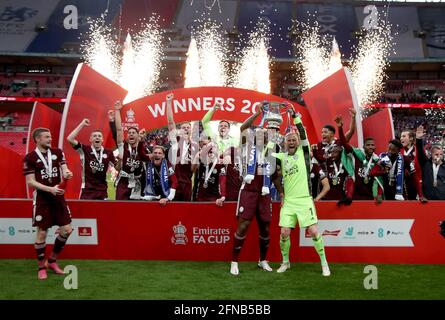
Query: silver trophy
[[272, 114]]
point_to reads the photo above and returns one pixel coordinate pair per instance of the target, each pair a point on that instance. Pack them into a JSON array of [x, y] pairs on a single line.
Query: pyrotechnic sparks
[[369, 64], [435, 114], [367, 67], [192, 74], [141, 57], [142, 65], [253, 70], [335, 59], [99, 49], [127, 66], [315, 56], [212, 49]]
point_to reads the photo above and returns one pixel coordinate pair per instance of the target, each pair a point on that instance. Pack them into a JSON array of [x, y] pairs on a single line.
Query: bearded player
[[297, 203], [44, 168]]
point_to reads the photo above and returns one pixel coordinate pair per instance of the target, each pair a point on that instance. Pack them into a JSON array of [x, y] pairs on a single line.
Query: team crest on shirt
[[54, 157], [105, 156], [39, 218]]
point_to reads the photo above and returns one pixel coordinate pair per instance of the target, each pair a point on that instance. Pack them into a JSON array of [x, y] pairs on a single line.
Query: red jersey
[[363, 183], [212, 182], [324, 149], [337, 176], [32, 164], [95, 166], [132, 161], [413, 174], [183, 167], [234, 178]]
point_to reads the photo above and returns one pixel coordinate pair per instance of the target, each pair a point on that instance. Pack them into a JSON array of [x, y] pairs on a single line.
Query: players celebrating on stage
[[44, 168], [254, 198], [297, 204], [95, 162], [183, 149], [321, 151], [358, 163]]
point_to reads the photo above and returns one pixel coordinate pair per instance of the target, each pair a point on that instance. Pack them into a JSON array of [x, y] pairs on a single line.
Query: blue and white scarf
[[252, 164], [149, 190]]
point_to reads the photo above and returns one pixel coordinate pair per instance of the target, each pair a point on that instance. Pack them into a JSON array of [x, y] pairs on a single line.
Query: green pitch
[[166, 280]]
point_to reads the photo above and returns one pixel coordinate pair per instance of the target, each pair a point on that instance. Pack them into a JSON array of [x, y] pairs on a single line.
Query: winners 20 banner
[[190, 104]]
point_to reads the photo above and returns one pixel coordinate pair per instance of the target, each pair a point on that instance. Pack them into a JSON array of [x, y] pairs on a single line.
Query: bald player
[[297, 203]]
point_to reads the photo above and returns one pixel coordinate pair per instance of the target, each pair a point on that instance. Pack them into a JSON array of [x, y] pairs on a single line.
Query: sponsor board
[[363, 233], [20, 231]]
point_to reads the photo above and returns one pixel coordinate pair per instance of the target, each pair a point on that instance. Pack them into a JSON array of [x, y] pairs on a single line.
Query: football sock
[[285, 247], [264, 246], [319, 247], [58, 247], [238, 242], [40, 251]]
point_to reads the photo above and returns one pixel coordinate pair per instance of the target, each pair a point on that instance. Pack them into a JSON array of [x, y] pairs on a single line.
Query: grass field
[[168, 280]]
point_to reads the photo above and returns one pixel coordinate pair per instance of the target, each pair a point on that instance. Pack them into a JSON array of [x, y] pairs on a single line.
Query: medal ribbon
[[48, 165]]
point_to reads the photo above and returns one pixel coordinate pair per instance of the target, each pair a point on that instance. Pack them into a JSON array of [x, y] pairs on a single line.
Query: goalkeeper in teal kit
[[297, 205]]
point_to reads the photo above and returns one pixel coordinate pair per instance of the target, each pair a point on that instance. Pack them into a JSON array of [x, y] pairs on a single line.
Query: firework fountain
[[367, 67], [98, 50], [192, 74], [206, 63], [139, 68], [253, 68], [207, 59]]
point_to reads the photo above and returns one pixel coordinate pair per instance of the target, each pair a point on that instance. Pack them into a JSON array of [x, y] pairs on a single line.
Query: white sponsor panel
[[19, 19], [20, 231], [362, 233]]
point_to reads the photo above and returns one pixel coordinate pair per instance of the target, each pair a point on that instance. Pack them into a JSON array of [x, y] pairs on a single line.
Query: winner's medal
[[205, 185], [47, 164], [93, 170], [366, 180], [336, 180]]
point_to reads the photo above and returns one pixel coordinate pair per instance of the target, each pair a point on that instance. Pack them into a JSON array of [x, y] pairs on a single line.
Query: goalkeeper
[[297, 205]]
